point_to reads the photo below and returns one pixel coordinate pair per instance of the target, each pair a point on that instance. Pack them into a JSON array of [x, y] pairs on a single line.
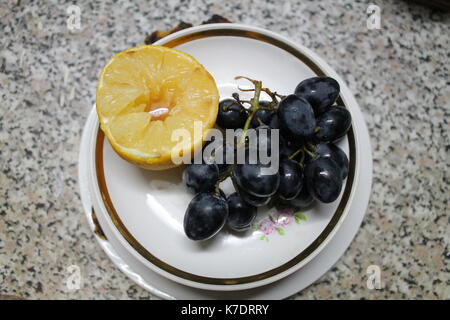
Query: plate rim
[[293, 264]]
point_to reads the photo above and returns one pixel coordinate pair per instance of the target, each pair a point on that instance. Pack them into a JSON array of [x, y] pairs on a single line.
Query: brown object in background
[[159, 34], [216, 19]]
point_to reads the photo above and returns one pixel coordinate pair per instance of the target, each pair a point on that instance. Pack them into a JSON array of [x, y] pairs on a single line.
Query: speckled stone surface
[[399, 75]]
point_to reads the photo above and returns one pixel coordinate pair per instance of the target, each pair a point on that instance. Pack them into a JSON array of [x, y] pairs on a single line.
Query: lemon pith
[[147, 92]]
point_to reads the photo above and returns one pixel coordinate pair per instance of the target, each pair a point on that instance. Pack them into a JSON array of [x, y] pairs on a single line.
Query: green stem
[[302, 150], [292, 156], [233, 181], [254, 105], [302, 160], [311, 147], [311, 154]]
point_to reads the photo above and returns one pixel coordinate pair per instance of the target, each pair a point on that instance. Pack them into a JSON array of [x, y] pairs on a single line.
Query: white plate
[[167, 289], [144, 210]]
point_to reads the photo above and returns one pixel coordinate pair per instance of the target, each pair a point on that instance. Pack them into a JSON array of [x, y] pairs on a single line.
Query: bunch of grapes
[[311, 166]]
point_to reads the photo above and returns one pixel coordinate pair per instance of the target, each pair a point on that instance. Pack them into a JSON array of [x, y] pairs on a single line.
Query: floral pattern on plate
[[277, 222]]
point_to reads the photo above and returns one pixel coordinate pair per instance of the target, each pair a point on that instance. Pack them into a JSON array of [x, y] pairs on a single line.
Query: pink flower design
[[278, 221], [285, 217], [266, 226]]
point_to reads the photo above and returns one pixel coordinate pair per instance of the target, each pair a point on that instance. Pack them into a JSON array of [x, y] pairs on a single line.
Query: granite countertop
[[399, 75]]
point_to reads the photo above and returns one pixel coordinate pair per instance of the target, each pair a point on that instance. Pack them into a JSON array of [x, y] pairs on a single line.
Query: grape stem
[[311, 147], [311, 154], [303, 150], [224, 176], [292, 156], [302, 160], [260, 122], [246, 90], [272, 95], [254, 105], [236, 97], [233, 180], [225, 108]]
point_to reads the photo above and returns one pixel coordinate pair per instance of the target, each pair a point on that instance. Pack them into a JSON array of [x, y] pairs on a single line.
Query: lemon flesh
[[146, 93]]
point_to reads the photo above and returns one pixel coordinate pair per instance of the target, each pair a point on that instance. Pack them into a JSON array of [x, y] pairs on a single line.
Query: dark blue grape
[[240, 213], [253, 200], [219, 156], [262, 116], [330, 150], [333, 124], [252, 179], [296, 117], [321, 92], [274, 122], [201, 177], [323, 179], [223, 167], [205, 216], [231, 115], [302, 201], [291, 179]]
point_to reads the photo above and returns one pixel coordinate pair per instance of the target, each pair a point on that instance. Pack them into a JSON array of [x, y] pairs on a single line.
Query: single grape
[[296, 117], [253, 179], [302, 201], [321, 92], [262, 116], [231, 115], [333, 124], [274, 122], [201, 177], [291, 179], [219, 156], [323, 179], [205, 216], [253, 200], [330, 150], [240, 213]]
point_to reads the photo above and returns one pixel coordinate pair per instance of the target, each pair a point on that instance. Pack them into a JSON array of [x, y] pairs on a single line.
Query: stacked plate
[[137, 215]]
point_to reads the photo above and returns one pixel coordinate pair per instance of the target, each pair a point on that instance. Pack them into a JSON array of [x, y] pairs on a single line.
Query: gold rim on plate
[[248, 279]]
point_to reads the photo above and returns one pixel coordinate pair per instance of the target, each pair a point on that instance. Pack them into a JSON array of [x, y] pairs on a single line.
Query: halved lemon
[[146, 93]]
